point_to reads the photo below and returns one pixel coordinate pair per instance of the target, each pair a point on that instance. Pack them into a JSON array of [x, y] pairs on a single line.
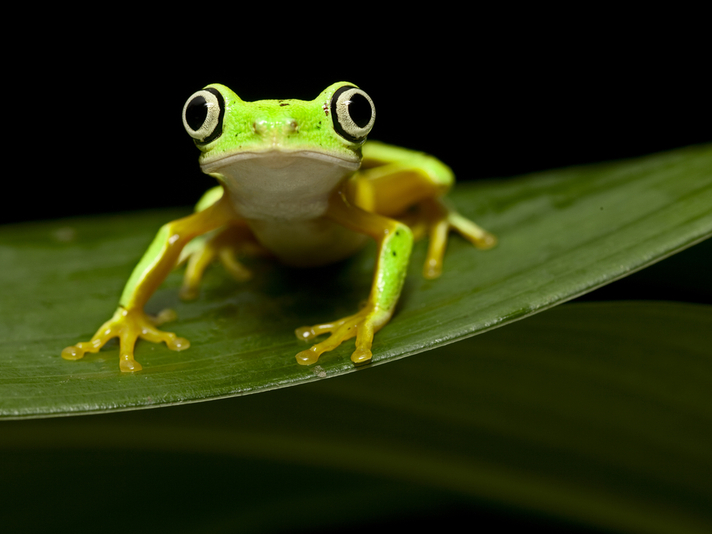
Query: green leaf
[[562, 233], [590, 415]]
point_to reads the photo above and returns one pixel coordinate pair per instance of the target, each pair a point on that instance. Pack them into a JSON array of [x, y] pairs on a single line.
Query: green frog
[[299, 180]]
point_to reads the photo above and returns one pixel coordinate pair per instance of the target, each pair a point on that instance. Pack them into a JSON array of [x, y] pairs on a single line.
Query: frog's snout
[[275, 128]]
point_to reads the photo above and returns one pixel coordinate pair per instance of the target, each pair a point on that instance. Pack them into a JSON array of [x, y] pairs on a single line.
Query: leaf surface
[[561, 233], [595, 415]]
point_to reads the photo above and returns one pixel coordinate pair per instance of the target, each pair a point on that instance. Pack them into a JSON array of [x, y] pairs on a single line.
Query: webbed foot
[[128, 326], [362, 325]]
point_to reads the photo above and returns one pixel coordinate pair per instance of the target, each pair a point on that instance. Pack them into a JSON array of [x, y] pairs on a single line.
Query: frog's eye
[[203, 115], [353, 113]]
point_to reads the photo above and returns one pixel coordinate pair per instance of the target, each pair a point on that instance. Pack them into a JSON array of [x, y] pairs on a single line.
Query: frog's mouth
[[277, 159]]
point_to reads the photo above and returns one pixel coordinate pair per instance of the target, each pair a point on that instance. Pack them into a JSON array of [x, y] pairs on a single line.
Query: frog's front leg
[[394, 240], [128, 325], [129, 321]]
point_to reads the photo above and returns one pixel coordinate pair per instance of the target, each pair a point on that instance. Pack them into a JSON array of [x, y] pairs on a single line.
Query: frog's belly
[[283, 196], [307, 243]]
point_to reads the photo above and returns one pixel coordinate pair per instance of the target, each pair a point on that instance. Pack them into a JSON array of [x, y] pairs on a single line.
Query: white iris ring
[[211, 120], [344, 117]]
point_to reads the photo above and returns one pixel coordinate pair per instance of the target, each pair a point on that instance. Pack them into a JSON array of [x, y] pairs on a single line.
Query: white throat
[[280, 185]]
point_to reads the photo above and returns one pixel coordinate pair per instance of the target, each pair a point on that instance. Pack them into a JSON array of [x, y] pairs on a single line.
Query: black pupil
[[360, 110], [196, 113]]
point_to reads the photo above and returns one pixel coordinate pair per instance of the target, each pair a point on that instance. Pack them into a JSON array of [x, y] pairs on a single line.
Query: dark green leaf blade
[[562, 233], [594, 414]]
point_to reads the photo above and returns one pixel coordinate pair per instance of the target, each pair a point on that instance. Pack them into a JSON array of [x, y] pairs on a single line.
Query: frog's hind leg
[[436, 218], [413, 193], [223, 246]]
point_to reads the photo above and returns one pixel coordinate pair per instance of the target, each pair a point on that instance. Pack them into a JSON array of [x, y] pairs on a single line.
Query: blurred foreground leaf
[[592, 415], [562, 233]]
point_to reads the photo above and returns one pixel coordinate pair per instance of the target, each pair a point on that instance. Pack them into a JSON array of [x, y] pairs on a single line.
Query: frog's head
[[331, 127]]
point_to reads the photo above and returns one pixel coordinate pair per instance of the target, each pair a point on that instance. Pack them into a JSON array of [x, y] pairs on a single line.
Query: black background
[[94, 114]]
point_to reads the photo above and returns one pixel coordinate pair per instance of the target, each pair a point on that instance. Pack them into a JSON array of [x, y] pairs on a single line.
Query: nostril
[[275, 128], [260, 127]]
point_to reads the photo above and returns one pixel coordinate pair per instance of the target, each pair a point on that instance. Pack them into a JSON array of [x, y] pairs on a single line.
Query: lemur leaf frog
[[297, 179]]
